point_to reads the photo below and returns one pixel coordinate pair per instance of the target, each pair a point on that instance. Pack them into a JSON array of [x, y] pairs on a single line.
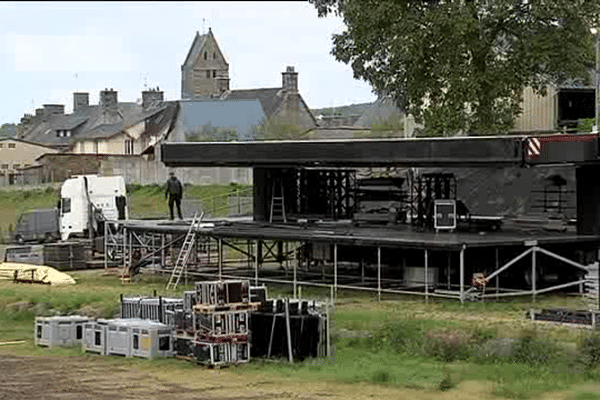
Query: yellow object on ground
[[10, 271]]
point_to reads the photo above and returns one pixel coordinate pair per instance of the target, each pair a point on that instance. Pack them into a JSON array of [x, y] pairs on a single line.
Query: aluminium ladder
[[184, 254], [277, 203]]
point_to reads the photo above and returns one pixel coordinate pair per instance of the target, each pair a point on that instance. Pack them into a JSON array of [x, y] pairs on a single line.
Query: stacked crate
[[94, 338], [221, 322], [59, 330], [307, 335], [157, 309]]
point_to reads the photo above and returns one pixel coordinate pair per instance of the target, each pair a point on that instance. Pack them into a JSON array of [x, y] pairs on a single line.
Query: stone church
[[205, 75]]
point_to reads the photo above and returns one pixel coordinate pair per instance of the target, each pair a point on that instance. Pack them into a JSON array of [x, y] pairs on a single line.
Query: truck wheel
[[19, 238]]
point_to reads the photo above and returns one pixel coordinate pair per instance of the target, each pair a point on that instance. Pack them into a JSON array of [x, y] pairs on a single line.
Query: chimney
[[152, 97], [81, 100], [39, 115], [221, 83], [108, 98], [50, 109], [290, 79]]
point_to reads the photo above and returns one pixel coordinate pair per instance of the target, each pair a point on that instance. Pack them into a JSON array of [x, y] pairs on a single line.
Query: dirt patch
[[94, 377]]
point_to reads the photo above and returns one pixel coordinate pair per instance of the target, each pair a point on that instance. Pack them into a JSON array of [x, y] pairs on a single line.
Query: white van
[[106, 195]]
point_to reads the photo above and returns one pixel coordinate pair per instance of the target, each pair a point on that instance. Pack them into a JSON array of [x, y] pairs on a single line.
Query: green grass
[[397, 351], [144, 200], [149, 200], [399, 342]]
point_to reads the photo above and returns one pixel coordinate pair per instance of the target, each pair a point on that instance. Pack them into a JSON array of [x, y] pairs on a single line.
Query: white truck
[[88, 200]]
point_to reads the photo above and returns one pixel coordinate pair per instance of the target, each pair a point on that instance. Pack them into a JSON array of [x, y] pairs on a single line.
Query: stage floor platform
[[399, 236]]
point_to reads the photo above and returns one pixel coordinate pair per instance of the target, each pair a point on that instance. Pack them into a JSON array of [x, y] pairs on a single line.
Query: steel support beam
[[462, 273], [426, 276], [378, 273], [220, 244]]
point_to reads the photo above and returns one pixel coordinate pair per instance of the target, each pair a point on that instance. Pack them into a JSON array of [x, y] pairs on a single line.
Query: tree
[[209, 133], [461, 66], [275, 128], [9, 130]]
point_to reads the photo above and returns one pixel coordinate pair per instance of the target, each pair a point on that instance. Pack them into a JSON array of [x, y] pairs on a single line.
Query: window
[[208, 73], [4, 166], [79, 332], [39, 331], [164, 343], [97, 338], [129, 146], [65, 205], [68, 133], [15, 166], [136, 342], [205, 55], [214, 55], [11, 145], [1, 145], [214, 73]]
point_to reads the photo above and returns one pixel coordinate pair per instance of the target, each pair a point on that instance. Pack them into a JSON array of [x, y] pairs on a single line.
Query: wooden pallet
[[210, 308]]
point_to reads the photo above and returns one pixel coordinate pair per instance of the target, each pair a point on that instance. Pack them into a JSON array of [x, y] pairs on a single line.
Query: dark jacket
[[174, 187]]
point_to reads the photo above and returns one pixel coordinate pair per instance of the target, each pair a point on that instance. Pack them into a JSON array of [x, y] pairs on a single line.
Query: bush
[[447, 346], [533, 351], [405, 336], [591, 351], [446, 383]]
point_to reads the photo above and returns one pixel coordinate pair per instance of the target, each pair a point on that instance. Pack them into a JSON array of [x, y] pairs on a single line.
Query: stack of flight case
[[220, 322]]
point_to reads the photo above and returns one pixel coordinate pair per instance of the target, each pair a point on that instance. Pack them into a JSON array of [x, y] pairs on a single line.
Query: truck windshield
[[65, 205]]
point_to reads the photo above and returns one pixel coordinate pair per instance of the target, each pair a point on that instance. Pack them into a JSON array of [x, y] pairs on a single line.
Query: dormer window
[[11, 146], [63, 133]]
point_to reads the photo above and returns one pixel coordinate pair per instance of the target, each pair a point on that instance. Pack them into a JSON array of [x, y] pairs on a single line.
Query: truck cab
[[88, 200]]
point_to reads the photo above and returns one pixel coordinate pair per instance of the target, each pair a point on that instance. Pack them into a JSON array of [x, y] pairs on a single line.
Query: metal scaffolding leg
[[295, 280], [448, 268], [256, 265], [220, 244], [378, 273], [335, 268], [533, 270], [462, 274], [426, 276], [497, 276]]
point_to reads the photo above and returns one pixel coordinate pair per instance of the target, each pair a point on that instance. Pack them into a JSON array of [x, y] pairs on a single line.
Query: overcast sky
[[49, 50]]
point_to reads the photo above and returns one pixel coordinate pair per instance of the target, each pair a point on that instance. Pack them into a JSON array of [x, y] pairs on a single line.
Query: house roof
[[197, 45], [243, 116], [103, 131], [163, 119], [270, 98], [2, 139], [81, 122]]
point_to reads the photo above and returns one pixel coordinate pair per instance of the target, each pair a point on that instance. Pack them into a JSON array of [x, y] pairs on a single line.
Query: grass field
[[398, 348], [399, 344], [148, 200]]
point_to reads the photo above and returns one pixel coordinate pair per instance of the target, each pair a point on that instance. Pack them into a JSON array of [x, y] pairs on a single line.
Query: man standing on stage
[[174, 192]]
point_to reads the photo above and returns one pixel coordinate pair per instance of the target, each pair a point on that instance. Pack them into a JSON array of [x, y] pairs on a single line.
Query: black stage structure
[[306, 228]]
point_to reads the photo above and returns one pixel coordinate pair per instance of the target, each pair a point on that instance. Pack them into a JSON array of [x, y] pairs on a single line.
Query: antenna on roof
[[203, 21]]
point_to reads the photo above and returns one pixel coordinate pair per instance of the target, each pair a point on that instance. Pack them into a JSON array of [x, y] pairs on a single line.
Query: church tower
[[205, 72]]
